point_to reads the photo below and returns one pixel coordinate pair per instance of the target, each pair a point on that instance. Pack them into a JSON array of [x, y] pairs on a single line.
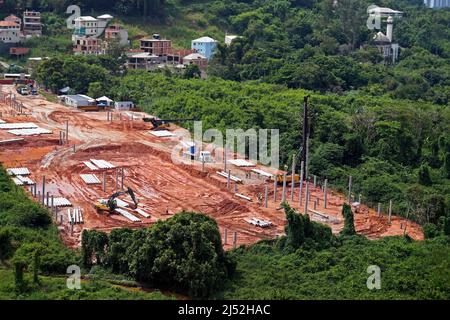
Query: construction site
[[111, 169]]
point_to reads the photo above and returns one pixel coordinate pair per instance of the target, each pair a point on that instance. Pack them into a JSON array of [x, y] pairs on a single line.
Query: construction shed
[[80, 101], [123, 105], [105, 102]]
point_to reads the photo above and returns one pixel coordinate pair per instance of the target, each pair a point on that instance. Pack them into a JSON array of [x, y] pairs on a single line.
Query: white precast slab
[[162, 133], [241, 163], [225, 175], [11, 140], [17, 181], [263, 173], [26, 181], [29, 132], [23, 125], [18, 171], [243, 197], [90, 165], [102, 164], [1, 121], [143, 213], [128, 215], [58, 202], [90, 178]]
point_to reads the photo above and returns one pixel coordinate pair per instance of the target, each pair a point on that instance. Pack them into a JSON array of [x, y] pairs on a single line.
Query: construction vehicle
[[111, 205], [159, 124]]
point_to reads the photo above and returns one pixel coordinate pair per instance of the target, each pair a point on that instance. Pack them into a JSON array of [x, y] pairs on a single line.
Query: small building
[[230, 38], [15, 19], [143, 61], [176, 56], [117, 32], [9, 32], [18, 52], [437, 4], [385, 44], [32, 24], [197, 59], [88, 45], [123, 105], [80, 101], [104, 102], [205, 46], [156, 45]]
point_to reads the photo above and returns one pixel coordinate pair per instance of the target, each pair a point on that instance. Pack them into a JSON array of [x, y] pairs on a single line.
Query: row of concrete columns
[[225, 236], [119, 179]]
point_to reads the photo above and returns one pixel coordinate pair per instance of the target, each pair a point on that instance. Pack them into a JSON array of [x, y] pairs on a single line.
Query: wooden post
[[235, 240], [122, 173], [229, 179], [104, 181]]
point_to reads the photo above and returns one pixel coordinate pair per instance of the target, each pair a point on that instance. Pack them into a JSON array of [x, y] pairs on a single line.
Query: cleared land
[[161, 185]]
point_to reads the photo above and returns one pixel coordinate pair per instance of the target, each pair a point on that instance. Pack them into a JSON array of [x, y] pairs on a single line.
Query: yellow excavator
[[111, 205]]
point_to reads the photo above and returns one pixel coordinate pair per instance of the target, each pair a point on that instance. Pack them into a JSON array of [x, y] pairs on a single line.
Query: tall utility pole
[[305, 133]]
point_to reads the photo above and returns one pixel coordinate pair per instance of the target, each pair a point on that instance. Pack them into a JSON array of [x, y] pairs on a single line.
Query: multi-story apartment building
[[88, 45], [9, 32], [156, 45], [32, 24]]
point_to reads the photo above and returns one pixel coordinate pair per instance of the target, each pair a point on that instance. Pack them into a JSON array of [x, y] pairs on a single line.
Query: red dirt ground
[[159, 183]]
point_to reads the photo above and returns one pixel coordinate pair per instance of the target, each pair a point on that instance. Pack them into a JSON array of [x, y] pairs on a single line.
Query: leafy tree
[[6, 248], [349, 223], [424, 176]]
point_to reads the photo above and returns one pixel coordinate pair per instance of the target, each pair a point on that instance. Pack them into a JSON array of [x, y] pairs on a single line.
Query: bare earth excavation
[[73, 170]]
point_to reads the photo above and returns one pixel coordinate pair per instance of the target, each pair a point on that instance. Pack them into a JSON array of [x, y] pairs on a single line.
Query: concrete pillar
[[379, 209], [203, 164], [121, 182], [225, 236], [293, 179], [229, 179], [53, 205], [67, 132], [234, 240], [350, 190], [301, 184], [266, 195], [315, 181], [307, 196], [74, 149], [360, 198], [117, 179], [43, 189], [225, 159], [390, 210], [325, 194], [275, 178], [283, 198], [39, 197], [315, 204], [47, 203]]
